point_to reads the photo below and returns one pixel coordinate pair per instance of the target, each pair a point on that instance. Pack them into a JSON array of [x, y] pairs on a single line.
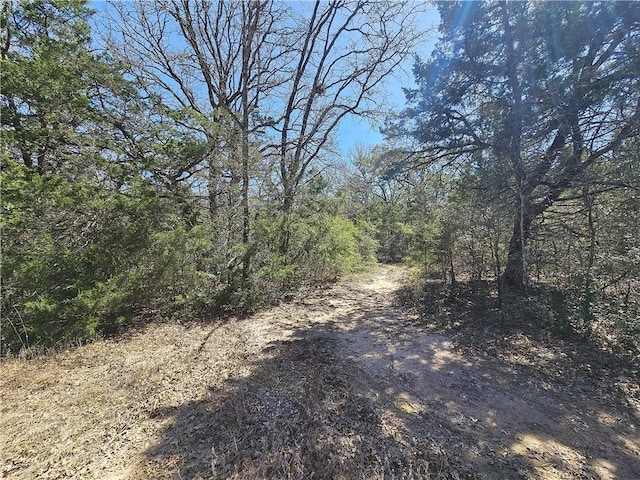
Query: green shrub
[[321, 248], [326, 247], [79, 260]]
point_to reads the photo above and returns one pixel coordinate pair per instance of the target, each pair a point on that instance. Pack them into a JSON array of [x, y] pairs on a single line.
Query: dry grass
[[338, 384], [202, 401], [87, 412]]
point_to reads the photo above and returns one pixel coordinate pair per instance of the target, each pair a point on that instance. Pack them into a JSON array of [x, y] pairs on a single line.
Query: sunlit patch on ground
[[339, 382], [548, 457]]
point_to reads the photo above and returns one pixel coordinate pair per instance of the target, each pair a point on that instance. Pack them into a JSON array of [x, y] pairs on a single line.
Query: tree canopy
[[547, 90]]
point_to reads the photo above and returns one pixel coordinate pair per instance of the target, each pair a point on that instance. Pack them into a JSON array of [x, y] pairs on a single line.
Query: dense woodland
[[178, 159]]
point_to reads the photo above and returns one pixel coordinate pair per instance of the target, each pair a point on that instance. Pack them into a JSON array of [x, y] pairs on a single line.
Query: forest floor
[[341, 382]]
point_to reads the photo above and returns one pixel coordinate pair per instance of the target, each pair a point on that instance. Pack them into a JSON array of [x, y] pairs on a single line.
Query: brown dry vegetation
[[339, 383]]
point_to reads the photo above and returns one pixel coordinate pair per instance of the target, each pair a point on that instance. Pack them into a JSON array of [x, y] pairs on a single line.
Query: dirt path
[[506, 426], [340, 383]]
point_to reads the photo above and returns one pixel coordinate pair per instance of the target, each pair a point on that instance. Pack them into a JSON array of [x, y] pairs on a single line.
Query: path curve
[[345, 365], [478, 408]]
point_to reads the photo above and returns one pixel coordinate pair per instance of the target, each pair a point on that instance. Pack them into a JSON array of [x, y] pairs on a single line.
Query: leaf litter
[[339, 383]]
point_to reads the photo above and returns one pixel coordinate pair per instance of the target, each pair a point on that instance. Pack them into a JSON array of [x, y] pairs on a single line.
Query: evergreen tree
[[547, 90]]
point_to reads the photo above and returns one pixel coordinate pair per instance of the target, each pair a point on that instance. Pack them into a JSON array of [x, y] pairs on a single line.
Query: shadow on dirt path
[[344, 384], [302, 413], [505, 424]]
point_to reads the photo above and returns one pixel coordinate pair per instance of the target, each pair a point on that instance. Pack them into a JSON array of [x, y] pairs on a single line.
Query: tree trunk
[[246, 260], [495, 252], [287, 208], [452, 274], [212, 190], [587, 311], [515, 270]]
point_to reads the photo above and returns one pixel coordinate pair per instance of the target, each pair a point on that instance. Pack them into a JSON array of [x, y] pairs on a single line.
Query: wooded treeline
[[178, 157], [533, 111]]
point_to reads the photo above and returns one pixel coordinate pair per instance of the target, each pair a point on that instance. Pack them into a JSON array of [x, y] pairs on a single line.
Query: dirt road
[[339, 383]]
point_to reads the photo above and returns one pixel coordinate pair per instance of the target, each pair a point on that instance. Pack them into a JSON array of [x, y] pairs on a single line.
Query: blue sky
[[355, 130]]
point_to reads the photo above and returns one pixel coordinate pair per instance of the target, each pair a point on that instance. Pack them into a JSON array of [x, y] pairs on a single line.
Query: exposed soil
[[339, 383]]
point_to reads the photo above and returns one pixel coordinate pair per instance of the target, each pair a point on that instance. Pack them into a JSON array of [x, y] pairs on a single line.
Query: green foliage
[[327, 247], [436, 242], [48, 79], [395, 233], [77, 259], [365, 236], [114, 202], [322, 248], [377, 198], [321, 243], [524, 90]]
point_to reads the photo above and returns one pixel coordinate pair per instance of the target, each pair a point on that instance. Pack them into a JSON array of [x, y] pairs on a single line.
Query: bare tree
[[284, 73], [345, 50], [211, 62]]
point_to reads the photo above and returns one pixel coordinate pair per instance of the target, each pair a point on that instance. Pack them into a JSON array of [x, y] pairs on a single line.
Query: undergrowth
[[541, 333]]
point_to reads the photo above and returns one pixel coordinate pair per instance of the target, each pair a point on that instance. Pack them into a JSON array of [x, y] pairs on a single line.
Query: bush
[[321, 248], [325, 247], [79, 260]]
